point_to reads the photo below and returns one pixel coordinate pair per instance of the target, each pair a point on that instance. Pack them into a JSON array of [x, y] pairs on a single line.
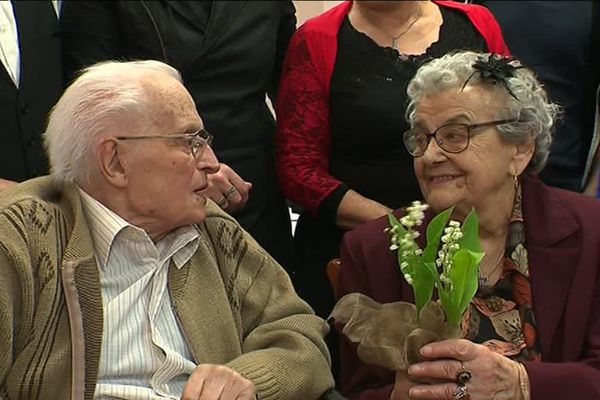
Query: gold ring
[[230, 191]]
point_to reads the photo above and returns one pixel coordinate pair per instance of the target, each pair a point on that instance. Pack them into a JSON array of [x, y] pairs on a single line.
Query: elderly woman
[[480, 132]]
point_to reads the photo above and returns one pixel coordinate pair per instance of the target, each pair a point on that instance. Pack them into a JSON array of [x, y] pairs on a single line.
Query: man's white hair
[[103, 95]]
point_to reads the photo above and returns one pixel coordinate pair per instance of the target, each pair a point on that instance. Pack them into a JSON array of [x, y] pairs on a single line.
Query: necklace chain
[[410, 25]]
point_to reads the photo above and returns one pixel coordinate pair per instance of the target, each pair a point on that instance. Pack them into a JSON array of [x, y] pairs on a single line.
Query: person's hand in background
[[228, 189]]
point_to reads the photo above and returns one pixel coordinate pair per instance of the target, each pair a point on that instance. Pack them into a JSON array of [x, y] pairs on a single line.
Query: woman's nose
[[433, 152]]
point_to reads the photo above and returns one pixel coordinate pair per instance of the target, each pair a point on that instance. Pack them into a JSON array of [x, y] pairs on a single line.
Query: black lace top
[[368, 102]]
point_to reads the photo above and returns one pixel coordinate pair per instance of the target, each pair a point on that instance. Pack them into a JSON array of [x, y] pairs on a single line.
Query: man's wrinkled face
[[164, 180]]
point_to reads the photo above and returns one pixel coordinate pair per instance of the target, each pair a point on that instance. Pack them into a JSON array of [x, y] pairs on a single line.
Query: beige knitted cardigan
[[235, 305]]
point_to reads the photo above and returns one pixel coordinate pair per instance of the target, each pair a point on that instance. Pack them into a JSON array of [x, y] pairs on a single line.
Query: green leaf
[[422, 281], [452, 314], [433, 272], [422, 286], [435, 230], [463, 274], [470, 229]]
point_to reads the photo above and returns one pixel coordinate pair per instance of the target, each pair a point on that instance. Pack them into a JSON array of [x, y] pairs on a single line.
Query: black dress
[[368, 103]]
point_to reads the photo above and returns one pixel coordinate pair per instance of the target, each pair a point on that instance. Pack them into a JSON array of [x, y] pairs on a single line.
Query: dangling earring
[[516, 181]]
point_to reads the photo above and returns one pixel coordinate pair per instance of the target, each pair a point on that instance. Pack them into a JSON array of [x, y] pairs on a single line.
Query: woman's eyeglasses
[[453, 138]]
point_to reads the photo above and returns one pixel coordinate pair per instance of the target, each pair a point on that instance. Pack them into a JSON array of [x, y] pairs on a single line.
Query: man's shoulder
[[224, 231], [33, 201], [42, 189], [216, 217]]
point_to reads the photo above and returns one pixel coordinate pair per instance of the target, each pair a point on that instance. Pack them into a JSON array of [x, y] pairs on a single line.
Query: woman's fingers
[[458, 349]]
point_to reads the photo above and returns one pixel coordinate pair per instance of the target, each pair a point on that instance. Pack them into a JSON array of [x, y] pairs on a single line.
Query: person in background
[[30, 84], [559, 41], [339, 111], [480, 132], [230, 55], [119, 279]]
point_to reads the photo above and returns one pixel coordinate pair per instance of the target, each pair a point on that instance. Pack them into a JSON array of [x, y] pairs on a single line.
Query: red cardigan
[[562, 235], [303, 102]]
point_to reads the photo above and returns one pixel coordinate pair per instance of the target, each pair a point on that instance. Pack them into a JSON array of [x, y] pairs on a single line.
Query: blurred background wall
[[307, 9]]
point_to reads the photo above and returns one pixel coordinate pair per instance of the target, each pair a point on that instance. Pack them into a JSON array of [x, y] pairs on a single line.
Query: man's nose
[[208, 161]]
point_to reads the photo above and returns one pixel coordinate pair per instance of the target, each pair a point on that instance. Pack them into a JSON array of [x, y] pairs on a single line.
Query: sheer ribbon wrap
[[390, 335]]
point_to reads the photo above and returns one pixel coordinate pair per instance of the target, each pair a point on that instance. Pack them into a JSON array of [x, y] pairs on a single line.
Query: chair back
[[333, 274]]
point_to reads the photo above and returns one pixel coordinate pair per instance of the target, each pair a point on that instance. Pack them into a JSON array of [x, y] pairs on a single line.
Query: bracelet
[[523, 381]]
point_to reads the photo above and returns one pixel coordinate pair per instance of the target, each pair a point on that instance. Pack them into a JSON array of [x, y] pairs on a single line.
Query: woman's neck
[[391, 19], [494, 214], [408, 26]]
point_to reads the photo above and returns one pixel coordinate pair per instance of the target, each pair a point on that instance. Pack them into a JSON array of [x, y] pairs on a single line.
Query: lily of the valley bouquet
[[391, 335]]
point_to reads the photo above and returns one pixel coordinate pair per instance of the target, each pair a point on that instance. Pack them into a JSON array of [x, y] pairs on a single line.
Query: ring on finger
[[223, 202], [463, 376], [230, 191], [461, 392]]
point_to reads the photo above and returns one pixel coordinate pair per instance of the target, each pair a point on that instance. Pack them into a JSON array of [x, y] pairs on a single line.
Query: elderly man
[[119, 280]]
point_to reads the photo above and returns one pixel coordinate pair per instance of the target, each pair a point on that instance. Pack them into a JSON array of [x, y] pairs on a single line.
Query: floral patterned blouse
[[501, 316]]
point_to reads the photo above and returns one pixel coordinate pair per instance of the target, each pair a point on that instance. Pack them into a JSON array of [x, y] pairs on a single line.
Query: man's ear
[[111, 166]]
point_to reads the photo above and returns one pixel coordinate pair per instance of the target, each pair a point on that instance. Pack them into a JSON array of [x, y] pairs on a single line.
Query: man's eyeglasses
[[197, 141], [452, 138]]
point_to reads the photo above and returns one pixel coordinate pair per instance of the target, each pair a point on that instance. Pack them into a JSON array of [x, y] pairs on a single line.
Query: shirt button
[[2, 28]]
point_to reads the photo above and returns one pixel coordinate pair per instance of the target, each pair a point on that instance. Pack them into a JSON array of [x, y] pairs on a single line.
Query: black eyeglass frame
[[199, 140], [469, 128]]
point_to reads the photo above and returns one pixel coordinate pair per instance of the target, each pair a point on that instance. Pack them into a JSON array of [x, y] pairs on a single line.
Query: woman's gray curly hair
[[536, 114]]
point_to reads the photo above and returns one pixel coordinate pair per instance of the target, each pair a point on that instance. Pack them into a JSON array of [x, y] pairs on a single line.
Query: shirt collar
[[106, 227]]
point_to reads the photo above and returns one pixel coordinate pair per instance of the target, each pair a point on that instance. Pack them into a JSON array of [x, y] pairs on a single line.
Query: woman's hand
[[401, 386], [355, 209], [493, 376]]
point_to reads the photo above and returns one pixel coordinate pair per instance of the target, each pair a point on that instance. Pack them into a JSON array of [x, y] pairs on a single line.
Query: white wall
[[306, 9]]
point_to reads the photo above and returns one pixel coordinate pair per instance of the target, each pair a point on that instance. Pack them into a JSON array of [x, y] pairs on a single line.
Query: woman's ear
[[522, 156], [111, 165]]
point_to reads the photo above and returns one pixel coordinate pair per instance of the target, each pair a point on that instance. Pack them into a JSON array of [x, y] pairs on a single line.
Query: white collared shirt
[[9, 41], [144, 353]]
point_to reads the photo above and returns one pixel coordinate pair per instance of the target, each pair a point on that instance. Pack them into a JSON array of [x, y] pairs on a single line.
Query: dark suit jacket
[[228, 64], [23, 111], [563, 243]]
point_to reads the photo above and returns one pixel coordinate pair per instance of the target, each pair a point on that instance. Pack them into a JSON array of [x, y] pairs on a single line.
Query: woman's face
[[482, 174]]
